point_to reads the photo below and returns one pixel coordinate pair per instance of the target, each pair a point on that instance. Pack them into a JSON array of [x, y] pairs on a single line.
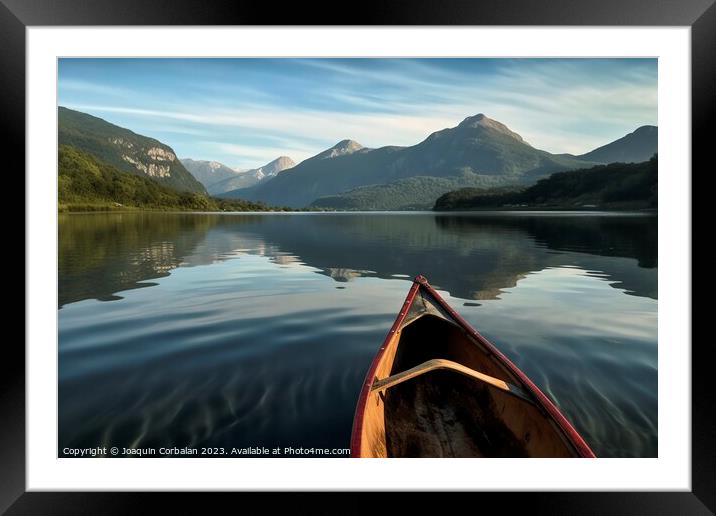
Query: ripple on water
[[250, 338]]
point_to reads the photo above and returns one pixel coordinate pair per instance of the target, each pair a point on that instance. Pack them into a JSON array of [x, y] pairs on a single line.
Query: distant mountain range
[[125, 150], [479, 152], [247, 178], [208, 173]]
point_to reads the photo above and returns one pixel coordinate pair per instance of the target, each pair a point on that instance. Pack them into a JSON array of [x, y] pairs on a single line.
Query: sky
[[246, 112]]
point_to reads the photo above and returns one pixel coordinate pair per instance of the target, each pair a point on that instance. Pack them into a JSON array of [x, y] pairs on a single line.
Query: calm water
[[238, 330]]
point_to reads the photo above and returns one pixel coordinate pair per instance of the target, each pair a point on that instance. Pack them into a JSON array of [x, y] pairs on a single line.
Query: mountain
[[478, 150], [635, 147], [613, 186], [208, 172], [125, 150], [251, 177]]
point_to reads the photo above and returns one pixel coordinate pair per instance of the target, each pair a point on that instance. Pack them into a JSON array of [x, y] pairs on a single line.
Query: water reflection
[[101, 254], [471, 256]]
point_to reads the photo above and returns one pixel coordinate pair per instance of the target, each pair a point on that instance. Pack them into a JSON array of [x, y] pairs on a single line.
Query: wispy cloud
[[85, 87], [257, 153], [252, 110], [323, 128]]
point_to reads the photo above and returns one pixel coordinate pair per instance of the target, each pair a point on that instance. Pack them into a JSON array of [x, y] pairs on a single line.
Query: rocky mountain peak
[[276, 166], [282, 163], [348, 144], [480, 120], [341, 148]]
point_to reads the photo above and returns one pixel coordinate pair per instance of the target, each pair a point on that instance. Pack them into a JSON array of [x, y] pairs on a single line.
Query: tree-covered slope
[[125, 150], [85, 183], [413, 193], [618, 185]]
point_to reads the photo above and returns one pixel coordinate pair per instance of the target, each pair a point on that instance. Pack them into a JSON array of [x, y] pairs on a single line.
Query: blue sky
[[247, 112]]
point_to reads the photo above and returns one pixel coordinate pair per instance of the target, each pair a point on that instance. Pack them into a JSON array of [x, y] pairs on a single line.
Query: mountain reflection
[[473, 256]]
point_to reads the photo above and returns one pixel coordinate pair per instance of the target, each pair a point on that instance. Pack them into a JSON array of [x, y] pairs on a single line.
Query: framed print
[[220, 297]]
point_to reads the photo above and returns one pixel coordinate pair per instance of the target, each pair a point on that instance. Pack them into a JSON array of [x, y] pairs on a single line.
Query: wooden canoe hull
[[437, 388]]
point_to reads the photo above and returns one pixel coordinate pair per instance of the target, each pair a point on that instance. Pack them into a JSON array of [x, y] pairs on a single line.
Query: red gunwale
[[356, 436], [565, 426]]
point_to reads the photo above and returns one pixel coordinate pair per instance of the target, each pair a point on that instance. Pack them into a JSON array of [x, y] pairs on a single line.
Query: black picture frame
[[17, 15]]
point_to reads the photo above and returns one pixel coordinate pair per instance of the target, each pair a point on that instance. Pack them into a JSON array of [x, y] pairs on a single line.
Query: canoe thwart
[[441, 363]]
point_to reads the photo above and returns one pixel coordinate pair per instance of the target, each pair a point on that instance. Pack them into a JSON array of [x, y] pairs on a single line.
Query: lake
[[256, 330]]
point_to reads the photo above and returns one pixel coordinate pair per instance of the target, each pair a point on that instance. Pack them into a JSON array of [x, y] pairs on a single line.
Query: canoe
[[437, 388]]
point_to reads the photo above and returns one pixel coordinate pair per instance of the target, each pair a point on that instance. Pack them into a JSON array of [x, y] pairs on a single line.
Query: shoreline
[[553, 208], [532, 210]]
